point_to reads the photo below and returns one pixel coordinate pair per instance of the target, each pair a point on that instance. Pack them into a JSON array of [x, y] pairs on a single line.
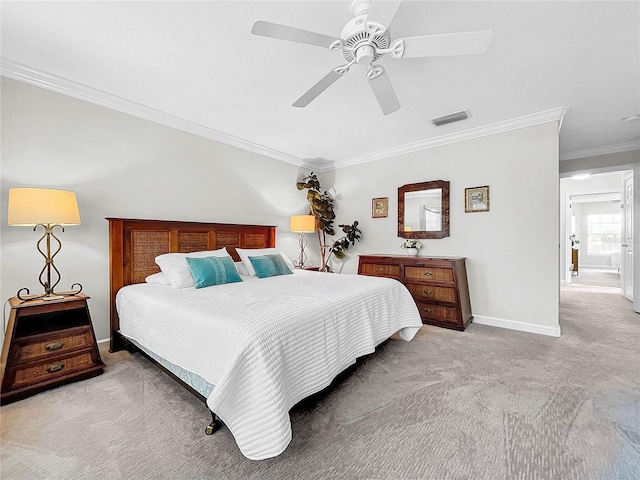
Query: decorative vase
[[412, 252]]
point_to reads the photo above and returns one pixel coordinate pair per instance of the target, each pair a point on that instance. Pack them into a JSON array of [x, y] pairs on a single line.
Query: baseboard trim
[[105, 340], [514, 325]]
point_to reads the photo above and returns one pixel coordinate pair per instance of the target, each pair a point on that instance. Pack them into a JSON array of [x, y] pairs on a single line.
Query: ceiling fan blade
[[465, 43], [283, 32], [324, 83], [383, 11], [383, 90]]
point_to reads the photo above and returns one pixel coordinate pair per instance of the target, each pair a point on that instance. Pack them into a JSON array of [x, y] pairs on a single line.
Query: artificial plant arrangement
[[321, 206], [411, 243], [574, 241]]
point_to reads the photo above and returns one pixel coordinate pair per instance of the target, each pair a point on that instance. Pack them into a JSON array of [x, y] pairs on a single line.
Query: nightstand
[[46, 344]]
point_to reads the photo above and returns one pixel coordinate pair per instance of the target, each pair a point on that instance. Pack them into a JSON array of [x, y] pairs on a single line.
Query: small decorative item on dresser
[[47, 343], [476, 199], [412, 246]]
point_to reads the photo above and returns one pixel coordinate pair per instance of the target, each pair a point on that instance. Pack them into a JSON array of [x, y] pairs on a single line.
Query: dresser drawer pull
[[55, 367], [54, 346], [379, 270], [428, 292], [428, 273], [427, 309]]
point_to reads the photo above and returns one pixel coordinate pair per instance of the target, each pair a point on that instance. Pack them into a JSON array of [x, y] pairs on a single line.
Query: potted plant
[[321, 206], [575, 243], [412, 246]]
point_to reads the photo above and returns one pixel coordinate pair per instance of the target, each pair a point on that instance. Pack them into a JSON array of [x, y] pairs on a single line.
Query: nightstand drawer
[[33, 348], [380, 270], [438, 313], [37, 372], [435, 274], [432, 293]]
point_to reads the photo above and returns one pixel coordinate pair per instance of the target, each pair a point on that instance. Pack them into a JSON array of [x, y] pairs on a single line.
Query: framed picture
[[380, 207], [476, 199]]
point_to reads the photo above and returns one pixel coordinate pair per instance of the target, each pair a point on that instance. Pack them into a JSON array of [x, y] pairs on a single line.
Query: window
[[604, 233]]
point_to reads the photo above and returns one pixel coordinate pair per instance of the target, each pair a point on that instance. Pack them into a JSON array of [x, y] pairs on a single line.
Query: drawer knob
[[427, 309], [428, 273], [55, 367], [379, 270], [428, 292], [54, 346]]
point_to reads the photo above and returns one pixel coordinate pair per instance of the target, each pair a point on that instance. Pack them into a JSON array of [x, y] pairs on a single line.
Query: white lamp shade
[[42, 206], [302, 223]]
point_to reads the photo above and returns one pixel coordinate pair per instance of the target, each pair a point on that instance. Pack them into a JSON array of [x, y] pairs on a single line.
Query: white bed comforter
[[267, 343]]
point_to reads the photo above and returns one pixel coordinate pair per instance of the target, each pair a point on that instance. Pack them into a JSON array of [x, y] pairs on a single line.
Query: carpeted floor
[[487, 403], [597, 276]]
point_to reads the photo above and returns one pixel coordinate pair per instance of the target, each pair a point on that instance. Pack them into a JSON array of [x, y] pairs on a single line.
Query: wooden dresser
[[47, 343], [438, 285]]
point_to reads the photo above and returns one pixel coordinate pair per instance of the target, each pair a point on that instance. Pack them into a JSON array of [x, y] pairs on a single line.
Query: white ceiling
[[196, 65]]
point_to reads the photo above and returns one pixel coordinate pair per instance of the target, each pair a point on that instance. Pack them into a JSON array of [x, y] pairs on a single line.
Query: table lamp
[[46, 208], [302, 224]]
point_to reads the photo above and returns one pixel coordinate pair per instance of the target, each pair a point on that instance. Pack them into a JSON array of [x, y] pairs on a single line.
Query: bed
[[613, 260], [251, 349]]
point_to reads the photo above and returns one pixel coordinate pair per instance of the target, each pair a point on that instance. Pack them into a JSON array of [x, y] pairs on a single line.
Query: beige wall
[[512, 250], [122, 166]]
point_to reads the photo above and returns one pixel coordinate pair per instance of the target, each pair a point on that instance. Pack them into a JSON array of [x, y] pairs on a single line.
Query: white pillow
[[242, 270], [159, 278], [256, 252], [175, 266]]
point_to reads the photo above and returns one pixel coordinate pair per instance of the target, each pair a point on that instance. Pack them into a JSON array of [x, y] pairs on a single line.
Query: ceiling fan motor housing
[[356, 36]]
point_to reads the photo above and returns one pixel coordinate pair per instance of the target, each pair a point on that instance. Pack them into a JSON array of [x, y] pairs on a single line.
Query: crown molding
[[552, 115], [604, 150], [70, 88]]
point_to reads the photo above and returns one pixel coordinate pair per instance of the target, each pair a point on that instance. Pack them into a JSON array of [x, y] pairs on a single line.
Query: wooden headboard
[[134, 245]]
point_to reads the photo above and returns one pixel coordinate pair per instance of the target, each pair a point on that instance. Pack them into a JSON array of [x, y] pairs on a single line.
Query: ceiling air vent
[[454, 117]]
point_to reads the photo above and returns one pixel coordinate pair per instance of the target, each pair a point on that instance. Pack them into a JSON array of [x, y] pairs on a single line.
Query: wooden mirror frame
[[414, 187]]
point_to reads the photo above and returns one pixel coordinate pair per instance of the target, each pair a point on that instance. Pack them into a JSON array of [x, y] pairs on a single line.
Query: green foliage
[[321, 206]]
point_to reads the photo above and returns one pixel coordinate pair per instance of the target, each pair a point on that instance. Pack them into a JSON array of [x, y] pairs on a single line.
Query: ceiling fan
[[365, 39]]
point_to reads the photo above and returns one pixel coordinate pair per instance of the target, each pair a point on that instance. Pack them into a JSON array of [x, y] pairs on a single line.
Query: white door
[[627, 239]]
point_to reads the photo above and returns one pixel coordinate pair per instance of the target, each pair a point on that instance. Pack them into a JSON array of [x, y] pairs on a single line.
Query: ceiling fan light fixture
[[451, 118]]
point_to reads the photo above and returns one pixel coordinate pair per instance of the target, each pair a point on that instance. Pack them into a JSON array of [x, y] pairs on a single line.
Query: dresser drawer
[[421, 291], [39, 346], [42, 371], [380, 270], [438, 313], [438, 285], [435, 274]]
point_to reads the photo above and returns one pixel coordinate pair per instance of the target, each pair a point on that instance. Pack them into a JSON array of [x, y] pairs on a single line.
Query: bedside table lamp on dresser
[[302, 224], [49, 339]]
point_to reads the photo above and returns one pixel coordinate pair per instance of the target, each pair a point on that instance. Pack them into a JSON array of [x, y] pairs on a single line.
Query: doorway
[[594, 232]]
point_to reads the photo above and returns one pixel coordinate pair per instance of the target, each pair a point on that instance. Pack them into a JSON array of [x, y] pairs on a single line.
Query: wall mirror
[[423, 210]]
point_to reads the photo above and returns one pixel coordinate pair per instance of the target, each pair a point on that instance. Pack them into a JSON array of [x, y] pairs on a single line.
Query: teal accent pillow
[[210, 271], [269, 266]]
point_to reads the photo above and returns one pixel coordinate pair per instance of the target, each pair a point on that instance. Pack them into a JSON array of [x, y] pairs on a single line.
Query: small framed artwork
[[380, 207], [476, 199]]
